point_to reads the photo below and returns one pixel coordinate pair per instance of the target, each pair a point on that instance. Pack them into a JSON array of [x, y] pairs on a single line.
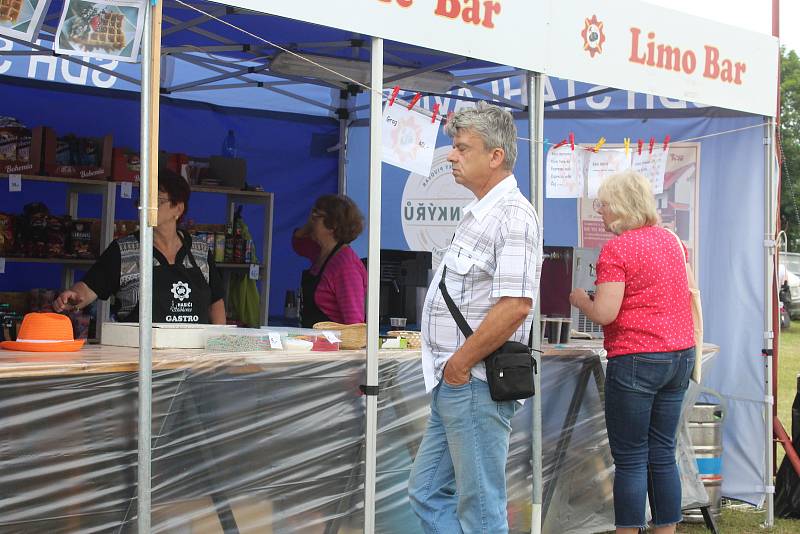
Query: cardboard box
[[21, 150], [165, 335], [125, 165], [77, 157]]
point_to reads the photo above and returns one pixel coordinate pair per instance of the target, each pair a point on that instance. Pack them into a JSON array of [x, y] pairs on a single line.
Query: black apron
[[180, 295], [310, 314]]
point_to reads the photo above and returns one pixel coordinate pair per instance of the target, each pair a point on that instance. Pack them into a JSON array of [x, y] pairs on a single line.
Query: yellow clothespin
[[600, 143], [627, 145]]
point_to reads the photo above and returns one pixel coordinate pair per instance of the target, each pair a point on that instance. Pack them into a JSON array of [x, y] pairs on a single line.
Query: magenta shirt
[[342, 289], [656, 314]]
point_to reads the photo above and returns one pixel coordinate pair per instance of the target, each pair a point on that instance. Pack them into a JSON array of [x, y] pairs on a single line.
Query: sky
[[755, 15]]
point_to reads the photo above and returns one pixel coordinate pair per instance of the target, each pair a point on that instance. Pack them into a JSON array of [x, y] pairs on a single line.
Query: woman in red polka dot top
[[643, 302]]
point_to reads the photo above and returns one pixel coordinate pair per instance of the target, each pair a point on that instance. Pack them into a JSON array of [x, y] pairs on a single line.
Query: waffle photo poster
[[22, 18], [108, 29]]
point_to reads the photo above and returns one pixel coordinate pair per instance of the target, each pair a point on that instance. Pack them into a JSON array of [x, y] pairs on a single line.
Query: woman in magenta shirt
[[644, 305], [334, 287]]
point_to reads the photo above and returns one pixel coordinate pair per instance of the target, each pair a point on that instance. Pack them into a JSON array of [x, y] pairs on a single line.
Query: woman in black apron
[[186, 285], [333, 289]]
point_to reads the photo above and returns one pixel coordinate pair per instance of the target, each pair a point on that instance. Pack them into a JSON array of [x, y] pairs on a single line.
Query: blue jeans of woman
[[644, 393], [458, 482]]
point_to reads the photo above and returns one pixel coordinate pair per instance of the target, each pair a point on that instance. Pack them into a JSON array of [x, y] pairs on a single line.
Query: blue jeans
[[644, 393], [458, 482]]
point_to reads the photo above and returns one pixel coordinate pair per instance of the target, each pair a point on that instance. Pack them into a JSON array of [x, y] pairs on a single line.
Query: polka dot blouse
[[656, 314]]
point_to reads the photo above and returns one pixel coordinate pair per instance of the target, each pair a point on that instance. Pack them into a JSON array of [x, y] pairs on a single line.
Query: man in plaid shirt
[[493, 265]]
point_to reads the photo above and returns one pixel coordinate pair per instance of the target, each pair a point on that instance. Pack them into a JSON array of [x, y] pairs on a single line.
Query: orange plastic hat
[[44, 332]]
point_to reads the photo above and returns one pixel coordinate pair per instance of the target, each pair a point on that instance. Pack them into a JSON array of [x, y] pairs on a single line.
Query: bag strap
[[459, 317], [689, 275]]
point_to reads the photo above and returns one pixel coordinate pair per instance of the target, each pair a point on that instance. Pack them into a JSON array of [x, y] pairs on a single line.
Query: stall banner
[[431, 207], [677, 204], [108, 29], [22, 19], [653, 50], [651, 165], [601, 165], [409, 138], [564, 172], [506, 32]]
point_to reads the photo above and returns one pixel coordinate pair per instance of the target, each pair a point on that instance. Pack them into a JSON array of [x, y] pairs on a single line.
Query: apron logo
[[181, 290]]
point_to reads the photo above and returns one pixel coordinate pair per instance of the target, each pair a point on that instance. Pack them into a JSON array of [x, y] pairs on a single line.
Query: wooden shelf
[[195, 188], [242, 266], [59, 261], [218, 190], [99, 184]]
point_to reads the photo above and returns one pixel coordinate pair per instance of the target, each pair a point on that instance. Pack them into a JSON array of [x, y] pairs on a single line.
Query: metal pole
[[535, 88], [373, 277], [145, 289], [769, 262], [344, 104]]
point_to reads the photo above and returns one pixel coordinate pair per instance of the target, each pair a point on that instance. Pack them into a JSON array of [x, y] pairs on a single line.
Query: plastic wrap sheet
[[271, 446]]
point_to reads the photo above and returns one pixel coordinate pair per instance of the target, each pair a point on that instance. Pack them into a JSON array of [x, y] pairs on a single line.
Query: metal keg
[[705, 430]]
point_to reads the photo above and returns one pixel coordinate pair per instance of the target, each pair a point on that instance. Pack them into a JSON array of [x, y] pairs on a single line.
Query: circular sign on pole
[[432, 207]]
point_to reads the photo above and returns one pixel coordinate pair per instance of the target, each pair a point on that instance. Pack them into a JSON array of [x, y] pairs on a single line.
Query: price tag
[[15, 183], [254, 272], [331, 337], [275, 340], [126, 189], [2, 265]]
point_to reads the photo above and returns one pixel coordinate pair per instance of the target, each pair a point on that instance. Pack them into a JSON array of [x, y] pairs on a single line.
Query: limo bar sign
[[628, 45]]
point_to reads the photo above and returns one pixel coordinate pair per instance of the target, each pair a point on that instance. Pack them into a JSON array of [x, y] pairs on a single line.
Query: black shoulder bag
[[509, 369]]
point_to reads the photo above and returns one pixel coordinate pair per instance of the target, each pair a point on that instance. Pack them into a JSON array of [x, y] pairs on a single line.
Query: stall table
[[267, 442]]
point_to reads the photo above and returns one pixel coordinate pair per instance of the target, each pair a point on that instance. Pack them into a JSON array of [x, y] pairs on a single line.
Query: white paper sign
[[126, 190], [409, 138], [2, 265], [331, 337], [254, 271], [14, 183], [603, 164], [564, 173], [275, 340], [652, 166]]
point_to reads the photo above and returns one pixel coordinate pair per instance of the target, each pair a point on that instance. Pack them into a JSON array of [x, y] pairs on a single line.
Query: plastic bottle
[[229, 145]]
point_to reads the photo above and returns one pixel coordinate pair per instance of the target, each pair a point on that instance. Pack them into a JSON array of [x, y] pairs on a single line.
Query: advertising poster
[[677, 204], [22, 19], [431, 207], [108, 29]]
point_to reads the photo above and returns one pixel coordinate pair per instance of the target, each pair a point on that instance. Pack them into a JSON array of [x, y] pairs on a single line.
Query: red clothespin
[[652, 142], [640, 146], [572, 140], [415, 100], [666, 142], [394, 94], [435, 112], [559, 145]]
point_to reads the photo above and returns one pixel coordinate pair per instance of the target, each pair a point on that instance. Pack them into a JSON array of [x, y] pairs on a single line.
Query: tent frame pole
[[373, 277], [148, 218], [535, 88], [770, 193]]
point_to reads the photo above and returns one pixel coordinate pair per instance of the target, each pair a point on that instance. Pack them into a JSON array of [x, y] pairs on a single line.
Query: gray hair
[[494, 125]]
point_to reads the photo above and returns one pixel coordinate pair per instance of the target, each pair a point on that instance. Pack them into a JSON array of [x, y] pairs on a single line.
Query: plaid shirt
[[496, 252]]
